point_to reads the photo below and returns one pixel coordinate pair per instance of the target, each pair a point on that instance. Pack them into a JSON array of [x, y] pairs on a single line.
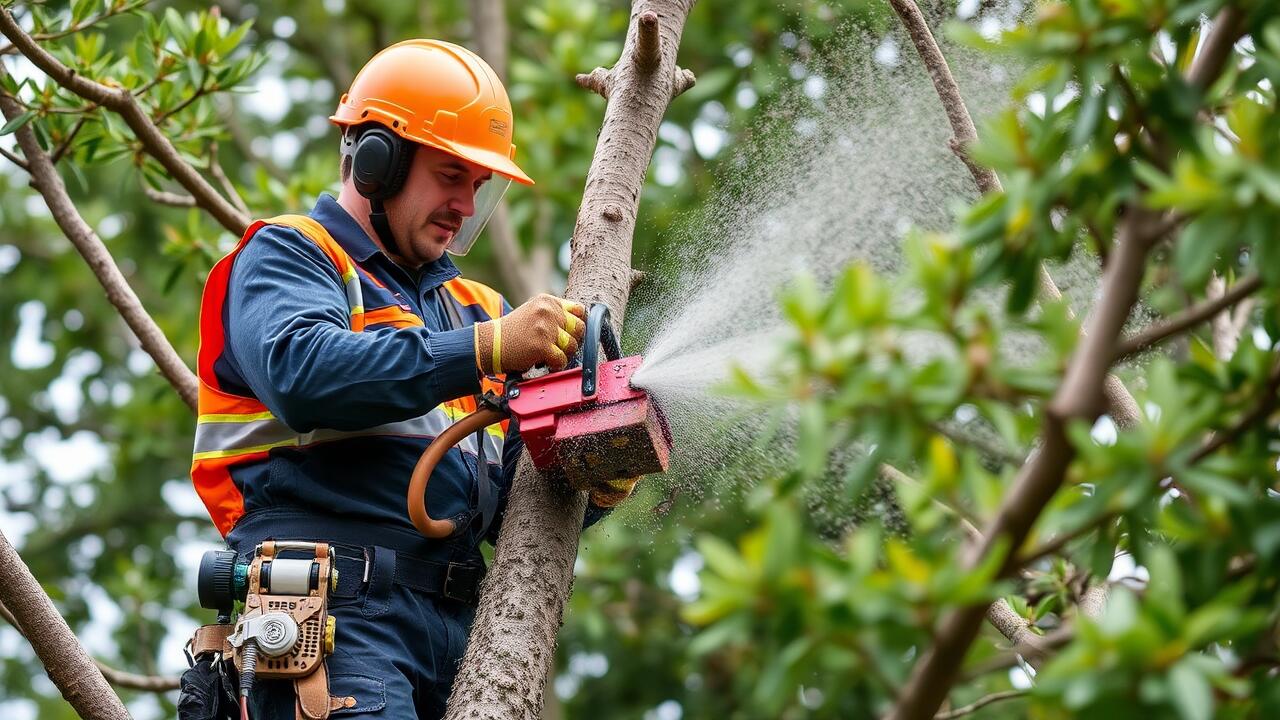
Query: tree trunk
[[512, 646], [68, 664]]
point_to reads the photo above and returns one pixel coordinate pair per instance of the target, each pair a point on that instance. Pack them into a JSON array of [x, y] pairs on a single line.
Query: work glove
[[546, 330], [608, 493]]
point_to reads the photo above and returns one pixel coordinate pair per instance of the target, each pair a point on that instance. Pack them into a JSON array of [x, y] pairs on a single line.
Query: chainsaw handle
[[599, 331]]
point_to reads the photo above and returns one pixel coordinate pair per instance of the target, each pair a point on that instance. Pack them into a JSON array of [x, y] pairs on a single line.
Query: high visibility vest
[[235, 430]]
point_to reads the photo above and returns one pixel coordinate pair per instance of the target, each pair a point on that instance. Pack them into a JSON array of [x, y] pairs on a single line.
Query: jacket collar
[[348, 233]]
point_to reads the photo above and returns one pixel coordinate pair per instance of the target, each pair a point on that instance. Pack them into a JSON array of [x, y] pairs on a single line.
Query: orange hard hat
[[437, 94]]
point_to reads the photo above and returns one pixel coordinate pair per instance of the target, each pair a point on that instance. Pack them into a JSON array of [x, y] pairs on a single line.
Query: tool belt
[[432, 567]]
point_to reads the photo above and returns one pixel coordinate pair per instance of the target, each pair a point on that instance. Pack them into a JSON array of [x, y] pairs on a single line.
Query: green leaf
[[1198, 247], [711, 84], [178, 27], [722, 559], [17, 122], [1191, 693], [81, 9]]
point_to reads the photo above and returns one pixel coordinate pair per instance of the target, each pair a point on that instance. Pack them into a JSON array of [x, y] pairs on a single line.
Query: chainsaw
[[586, 422]]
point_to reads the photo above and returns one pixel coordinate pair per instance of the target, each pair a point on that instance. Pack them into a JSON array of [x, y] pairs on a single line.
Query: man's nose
[[463, 202]]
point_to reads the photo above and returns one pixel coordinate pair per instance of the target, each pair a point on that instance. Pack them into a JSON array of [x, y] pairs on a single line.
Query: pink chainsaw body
[[617, 432]]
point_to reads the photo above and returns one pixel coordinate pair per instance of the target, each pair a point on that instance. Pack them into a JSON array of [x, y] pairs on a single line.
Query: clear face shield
[[486, 200]]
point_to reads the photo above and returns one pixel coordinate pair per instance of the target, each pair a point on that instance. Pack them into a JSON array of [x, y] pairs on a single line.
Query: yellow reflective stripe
[[430, 425], [212, 417]]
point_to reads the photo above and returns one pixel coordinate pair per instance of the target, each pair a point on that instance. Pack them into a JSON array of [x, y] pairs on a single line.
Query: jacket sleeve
[[288, 333]]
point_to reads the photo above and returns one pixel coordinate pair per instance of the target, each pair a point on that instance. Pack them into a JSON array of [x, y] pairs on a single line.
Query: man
[[334, 347]]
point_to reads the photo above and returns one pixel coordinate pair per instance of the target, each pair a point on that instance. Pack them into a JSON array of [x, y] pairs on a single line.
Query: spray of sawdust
[[836, 173]]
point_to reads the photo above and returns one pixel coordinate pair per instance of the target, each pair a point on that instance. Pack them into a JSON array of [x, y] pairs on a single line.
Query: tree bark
[[1079, 397], [65, 660], [512, 645]]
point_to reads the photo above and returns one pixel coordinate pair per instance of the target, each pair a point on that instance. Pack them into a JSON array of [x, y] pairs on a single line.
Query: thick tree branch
[[1187, 319], [123, 103], [1001, 614], [648, 51], [118, 678], [1079, 397], [948, 91], [1123, 408], [511, 651], [64, 659], [1216, 47], [152, 339]]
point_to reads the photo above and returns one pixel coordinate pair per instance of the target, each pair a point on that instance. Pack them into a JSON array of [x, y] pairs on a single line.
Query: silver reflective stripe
[[355, 296], [220, 438], [429, 425], [493, 447]]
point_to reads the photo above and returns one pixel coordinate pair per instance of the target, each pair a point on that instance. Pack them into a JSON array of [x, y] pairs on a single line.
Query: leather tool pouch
[[290, 601]]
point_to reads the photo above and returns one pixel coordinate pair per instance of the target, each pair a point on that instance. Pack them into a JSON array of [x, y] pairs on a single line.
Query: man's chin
[[432, 247]]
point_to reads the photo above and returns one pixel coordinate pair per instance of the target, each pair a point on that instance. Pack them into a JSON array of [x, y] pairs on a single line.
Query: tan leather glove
[[609, 493], [546, 330]]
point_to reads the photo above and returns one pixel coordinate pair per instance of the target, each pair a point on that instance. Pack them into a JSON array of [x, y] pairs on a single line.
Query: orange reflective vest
[[235, 430]]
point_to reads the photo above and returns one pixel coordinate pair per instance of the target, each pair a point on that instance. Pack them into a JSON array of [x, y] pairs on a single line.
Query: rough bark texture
[[69, 666], [152, 339], [512, 645]]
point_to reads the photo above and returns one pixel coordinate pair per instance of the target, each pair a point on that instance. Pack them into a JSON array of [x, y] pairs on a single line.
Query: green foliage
[[926, 372]]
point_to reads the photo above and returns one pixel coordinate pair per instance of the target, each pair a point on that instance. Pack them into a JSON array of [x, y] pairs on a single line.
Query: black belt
[[459, 582], [353, 540]]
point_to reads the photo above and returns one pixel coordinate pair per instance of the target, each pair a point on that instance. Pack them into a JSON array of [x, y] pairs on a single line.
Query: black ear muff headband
[[380, 162]]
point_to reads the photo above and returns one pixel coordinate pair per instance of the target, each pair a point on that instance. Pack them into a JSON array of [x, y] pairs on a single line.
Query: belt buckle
[[460, 587]]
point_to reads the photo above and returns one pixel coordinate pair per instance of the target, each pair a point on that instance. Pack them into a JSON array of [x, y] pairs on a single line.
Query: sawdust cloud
[[821, 180]]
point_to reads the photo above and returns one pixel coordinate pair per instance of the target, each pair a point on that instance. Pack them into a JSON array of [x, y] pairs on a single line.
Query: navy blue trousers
[[396, 650]]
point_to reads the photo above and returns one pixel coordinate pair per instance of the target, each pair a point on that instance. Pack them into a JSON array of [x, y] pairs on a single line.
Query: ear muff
[[380, 162]]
